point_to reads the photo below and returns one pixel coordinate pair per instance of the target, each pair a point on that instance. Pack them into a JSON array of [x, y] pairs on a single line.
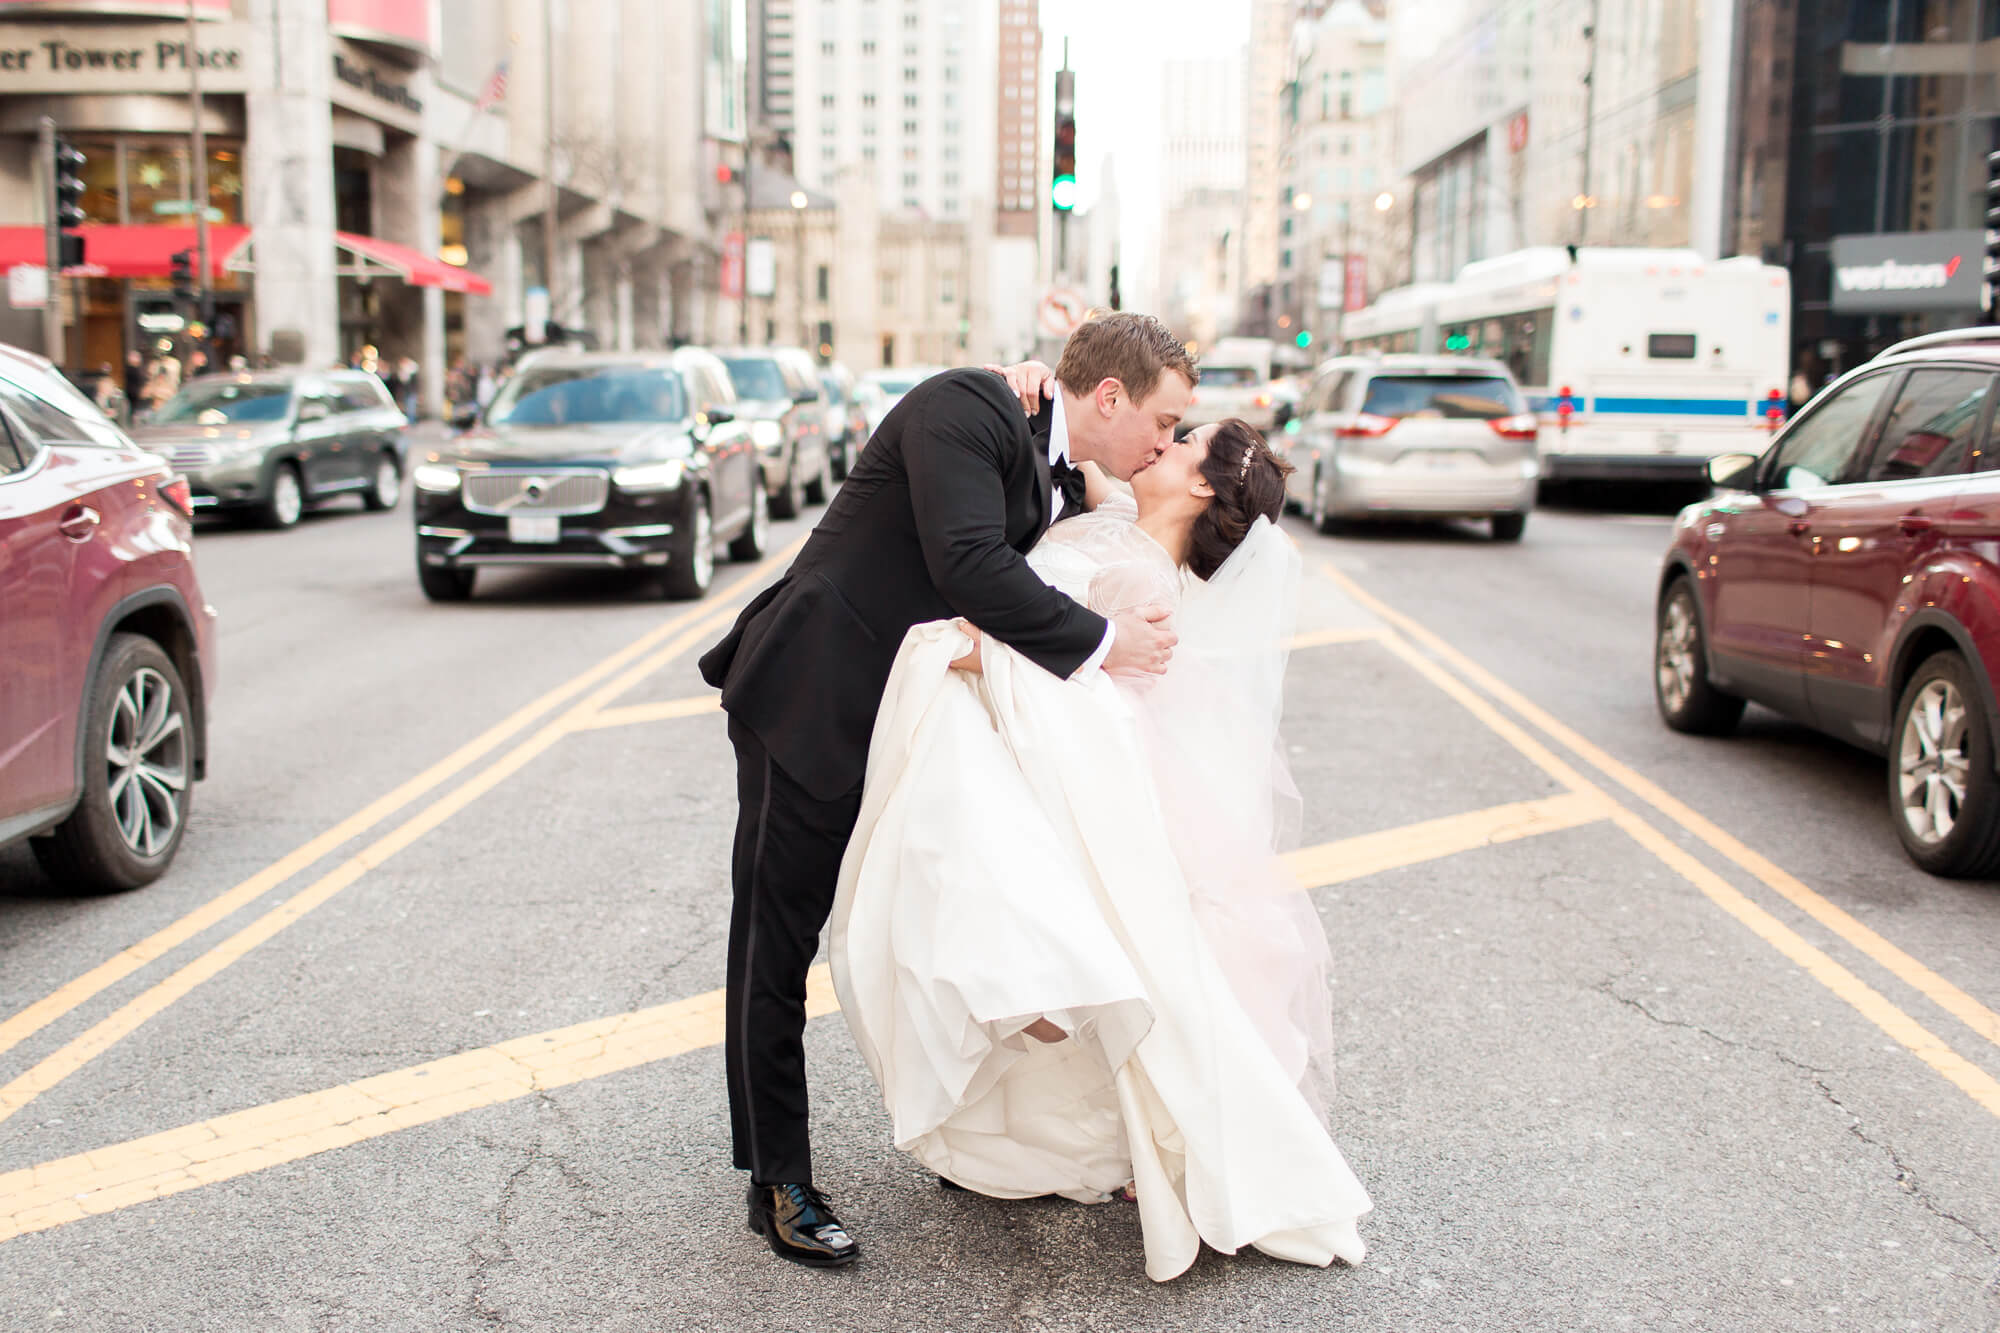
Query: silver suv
[[1415, 436], [270, 443]]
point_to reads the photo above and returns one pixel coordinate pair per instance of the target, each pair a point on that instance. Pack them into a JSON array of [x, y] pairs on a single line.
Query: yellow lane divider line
[[24, 1024], [128, 1017], [103, 1180], [665, 711], [1982, 1087]]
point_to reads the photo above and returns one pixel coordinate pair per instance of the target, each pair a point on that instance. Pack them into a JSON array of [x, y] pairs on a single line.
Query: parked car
[[271, 443], [882, 389], [1235, 382], [107, 647], [1404, 436], [1848, 579], [778, 393], [621, 460], [846, 423]]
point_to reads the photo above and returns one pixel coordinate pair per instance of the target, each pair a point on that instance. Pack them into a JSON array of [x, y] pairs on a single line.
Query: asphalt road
[[1637, 1031]]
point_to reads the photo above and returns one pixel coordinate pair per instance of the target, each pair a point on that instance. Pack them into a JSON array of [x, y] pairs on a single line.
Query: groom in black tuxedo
[[934, 522]]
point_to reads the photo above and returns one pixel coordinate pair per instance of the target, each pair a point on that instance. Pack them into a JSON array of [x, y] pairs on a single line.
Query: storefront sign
[[119, 58], [404, 23], [367, 79], [1902, 272]]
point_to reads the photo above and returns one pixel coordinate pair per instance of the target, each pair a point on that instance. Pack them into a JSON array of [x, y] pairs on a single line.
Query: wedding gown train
[[1014, 860]]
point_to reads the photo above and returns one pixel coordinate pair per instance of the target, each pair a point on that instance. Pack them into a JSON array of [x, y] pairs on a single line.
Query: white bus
[[1641, 364]]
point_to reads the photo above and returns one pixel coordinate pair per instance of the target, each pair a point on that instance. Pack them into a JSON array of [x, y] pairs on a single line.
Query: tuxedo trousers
[[784, 870]]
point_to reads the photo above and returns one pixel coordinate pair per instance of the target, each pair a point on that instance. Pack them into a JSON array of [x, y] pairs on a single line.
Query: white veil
[[1212, 724]]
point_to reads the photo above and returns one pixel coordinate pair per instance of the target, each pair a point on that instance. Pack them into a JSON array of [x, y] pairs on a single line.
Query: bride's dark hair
[[1243, 494]]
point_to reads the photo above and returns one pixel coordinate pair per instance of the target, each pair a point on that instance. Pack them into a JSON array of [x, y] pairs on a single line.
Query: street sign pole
[[204, 310], [52, 325]]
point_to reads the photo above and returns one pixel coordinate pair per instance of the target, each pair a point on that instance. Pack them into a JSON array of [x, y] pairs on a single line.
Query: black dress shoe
[[796, 1221]]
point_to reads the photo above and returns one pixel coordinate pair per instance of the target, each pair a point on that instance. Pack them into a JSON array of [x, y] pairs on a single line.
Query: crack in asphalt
[[1905, 1177], [482, 1263]]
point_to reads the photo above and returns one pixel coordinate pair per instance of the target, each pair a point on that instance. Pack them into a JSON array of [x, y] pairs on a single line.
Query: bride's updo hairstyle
[[1249, 484]]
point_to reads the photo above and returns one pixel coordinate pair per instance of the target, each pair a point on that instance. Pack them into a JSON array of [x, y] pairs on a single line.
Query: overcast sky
[[1117, 48]]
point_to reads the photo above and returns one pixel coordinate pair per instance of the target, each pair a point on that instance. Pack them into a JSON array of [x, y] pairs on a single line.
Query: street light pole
[[799, 202], [550, 209]]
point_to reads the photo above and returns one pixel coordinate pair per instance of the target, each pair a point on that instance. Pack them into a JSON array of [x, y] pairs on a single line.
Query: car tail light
[[1515, 428], [1263, 400], [176, 493], [1366, 425]]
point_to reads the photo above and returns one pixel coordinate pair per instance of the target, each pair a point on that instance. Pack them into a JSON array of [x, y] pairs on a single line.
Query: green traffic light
[[1062, 193], [1305, 338]]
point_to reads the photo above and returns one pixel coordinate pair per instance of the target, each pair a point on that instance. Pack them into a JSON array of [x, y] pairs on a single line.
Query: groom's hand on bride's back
[[1143, 642]]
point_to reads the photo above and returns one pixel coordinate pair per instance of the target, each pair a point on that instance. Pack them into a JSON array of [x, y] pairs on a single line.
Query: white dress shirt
[[1059, 453]]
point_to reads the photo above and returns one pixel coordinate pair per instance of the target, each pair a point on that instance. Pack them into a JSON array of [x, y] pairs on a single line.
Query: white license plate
[[545, 529], [1666, 442], [1444, 460]]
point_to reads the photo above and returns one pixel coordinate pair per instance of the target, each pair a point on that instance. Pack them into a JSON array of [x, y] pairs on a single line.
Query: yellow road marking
[[76, 1053], [1900, 1026], [659, 712], [1899, 964], [1373, 853], [1326, 637], [105, 1179], [20, 1026]]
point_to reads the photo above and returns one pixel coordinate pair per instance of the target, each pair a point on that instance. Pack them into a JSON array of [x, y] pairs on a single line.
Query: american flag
[[495, 91]]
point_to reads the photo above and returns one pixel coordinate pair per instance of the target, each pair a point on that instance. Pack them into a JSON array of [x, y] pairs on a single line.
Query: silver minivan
[[1400, 436]]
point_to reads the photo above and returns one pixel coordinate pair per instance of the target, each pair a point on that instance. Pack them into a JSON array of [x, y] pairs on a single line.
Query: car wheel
[[388, 487], [137, 778], [821, 486], [1509, 527], [691, 562], [287, 500], [752, 541], [1942, 788], [1687, 700], [444, 584], [788, 502], [1322, 517]]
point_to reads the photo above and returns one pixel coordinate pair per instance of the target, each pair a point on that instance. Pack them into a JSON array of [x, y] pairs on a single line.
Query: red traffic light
[[724, 173]]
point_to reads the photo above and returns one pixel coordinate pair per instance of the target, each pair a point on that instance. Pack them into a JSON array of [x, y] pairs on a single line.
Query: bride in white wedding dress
[[1063, 938]]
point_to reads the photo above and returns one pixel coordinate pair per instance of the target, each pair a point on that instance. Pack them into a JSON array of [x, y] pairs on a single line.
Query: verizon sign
[[1901, 272]]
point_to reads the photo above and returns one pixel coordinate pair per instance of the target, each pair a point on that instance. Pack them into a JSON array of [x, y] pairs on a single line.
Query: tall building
[[1263, 124], [1864, 134], [1202, 177], [1017, 179], [1336, 174]]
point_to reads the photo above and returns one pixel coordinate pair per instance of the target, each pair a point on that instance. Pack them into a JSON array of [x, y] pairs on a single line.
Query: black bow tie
[[1068, 481]]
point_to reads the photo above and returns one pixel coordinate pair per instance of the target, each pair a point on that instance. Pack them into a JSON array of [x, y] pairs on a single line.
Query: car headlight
[[649, 476], [435, 477], [767, 434]]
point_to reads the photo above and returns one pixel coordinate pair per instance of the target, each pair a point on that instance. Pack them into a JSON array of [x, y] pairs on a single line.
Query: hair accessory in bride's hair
[[1244, 471]]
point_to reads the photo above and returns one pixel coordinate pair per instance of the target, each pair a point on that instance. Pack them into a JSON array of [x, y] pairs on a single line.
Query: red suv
[[1851, 579], [105, 640]]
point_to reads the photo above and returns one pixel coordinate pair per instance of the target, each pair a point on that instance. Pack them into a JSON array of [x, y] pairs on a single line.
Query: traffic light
[[1992, 235], [1062, 182], [1117, 300], [1305, 339], [67, 206], [183, 274]]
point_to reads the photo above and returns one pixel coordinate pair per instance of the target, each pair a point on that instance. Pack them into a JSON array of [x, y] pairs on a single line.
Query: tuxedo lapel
[[1039, 428]]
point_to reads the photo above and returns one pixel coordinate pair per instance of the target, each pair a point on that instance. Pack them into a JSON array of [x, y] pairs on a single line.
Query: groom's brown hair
[[1122, 345]]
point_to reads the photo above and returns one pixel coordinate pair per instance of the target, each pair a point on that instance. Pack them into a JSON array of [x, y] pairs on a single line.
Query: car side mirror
[[807, 397], [720, 416], [1733, 472]]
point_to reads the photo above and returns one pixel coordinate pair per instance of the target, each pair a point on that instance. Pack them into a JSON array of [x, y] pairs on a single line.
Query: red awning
[[414, 266], [148, 251], [124, 252]]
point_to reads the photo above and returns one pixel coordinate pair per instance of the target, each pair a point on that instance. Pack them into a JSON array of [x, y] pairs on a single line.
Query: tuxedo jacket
[[935, 521]]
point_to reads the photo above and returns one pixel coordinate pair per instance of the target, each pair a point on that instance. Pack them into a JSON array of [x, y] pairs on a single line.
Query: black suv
[[624, 461]]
